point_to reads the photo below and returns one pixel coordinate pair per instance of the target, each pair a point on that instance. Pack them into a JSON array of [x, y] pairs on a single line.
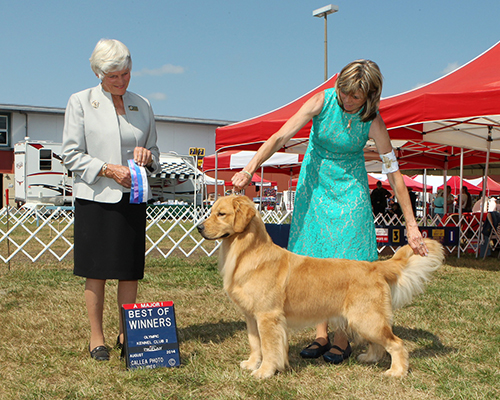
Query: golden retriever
[[277, 289]]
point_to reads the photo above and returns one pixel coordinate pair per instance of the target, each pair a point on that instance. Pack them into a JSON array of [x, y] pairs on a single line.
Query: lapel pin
[[133, 108], [95, 104]]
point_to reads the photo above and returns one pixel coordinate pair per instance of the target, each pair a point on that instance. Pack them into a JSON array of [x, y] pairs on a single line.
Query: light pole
[[323, 12]]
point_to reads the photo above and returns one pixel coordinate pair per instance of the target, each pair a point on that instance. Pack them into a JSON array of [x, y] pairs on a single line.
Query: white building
[[46, 123]]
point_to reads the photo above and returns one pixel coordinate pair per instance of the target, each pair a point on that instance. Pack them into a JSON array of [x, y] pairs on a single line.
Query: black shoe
[[118, 344], [338, 358], [308, 352], [100, 353]]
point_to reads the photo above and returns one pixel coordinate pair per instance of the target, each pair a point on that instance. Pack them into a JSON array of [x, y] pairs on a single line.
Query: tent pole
[[216, 180], [445, 186], [460, 201], [425, 197], [483, 194], [261, 183]]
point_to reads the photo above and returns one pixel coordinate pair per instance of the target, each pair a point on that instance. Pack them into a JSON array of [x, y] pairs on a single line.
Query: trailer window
[[4, 130], [45, 159]]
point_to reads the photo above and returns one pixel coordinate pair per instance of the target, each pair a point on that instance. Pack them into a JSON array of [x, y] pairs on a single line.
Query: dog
[[277, 289]]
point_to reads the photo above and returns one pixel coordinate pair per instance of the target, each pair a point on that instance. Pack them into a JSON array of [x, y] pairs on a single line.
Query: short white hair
[[110, 55]]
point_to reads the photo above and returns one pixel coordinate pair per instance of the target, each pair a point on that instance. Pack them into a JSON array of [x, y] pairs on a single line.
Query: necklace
[[348, 117]]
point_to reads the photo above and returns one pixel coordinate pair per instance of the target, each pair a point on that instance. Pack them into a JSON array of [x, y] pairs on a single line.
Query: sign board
[[396, 235], [150, 335], [199, 153]]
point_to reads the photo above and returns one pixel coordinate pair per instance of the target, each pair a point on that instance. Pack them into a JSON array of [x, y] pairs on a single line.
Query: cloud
[[419, 85], [450, 68], [163, 70], [157, 96]]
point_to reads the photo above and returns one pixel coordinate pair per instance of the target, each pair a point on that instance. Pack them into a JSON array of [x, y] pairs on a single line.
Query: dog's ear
[[244, 211]]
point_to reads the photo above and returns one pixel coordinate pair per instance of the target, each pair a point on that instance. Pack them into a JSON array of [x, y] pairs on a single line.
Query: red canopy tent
[[409, 182], [372, 183], [459, 110], [288, 163], [256, 180], [492, 186], [454, 183], [249, 134], [416, 186]]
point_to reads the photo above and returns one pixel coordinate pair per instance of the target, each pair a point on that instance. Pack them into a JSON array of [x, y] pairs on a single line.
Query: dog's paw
[[250, 364], [264, 372], [396, 372]]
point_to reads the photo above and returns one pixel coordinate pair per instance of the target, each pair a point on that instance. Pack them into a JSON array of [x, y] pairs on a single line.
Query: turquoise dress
[[332, 216]]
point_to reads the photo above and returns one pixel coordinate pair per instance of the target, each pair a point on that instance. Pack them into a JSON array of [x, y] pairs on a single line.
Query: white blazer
[[91, 137]]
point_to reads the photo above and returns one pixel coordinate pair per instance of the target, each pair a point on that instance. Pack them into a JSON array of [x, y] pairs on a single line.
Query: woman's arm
[[74, 145], [378, 132], [311, 108]]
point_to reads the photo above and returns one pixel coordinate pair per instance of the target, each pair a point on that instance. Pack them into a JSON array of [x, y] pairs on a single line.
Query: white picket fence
[[46, 233]]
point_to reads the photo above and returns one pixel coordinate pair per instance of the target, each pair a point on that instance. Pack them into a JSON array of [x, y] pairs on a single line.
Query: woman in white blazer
[[104, 128]]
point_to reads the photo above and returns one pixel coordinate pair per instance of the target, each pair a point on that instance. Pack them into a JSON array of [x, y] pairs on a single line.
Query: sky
[[229, 59]]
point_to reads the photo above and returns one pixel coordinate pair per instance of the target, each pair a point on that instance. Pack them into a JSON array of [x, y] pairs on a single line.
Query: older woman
[[104, 128], [333, 214]]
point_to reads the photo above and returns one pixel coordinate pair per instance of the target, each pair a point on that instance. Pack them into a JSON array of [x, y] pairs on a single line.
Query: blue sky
[[233, 60]]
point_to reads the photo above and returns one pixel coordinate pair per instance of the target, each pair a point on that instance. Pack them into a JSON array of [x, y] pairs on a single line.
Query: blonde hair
[[110, 55], [363, 76]]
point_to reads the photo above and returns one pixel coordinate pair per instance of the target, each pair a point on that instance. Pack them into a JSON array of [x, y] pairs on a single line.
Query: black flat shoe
[[99, 353], [338, 358], [308, 352]]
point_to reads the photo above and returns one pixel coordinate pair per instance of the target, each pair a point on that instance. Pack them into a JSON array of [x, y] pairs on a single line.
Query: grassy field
[[452, 333]]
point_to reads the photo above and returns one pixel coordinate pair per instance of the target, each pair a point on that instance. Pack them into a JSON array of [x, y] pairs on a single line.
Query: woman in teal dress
[[332, 215]]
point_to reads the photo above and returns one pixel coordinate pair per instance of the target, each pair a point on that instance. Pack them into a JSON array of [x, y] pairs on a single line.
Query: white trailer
[[40, 176]]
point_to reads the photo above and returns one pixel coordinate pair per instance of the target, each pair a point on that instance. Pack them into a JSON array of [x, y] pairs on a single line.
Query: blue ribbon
[[139, 191]]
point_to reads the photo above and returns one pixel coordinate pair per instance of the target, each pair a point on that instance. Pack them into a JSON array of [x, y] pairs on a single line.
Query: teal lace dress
[[332, 216]]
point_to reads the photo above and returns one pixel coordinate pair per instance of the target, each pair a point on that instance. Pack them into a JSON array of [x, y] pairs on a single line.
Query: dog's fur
[[277, 289]]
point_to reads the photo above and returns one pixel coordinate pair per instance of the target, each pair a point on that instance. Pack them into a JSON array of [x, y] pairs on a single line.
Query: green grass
[[452, 333]]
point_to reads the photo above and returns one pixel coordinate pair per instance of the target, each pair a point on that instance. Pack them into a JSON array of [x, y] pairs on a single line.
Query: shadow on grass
[[211, 332], [429, 344]]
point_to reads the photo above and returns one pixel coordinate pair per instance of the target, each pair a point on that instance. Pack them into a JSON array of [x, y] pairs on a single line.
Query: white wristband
[[389, 162]]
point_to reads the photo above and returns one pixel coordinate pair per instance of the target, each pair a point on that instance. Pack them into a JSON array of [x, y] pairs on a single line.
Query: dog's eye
[[221, 214]]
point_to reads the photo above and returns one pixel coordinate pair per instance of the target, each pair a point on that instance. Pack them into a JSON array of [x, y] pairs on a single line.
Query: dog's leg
[[373, 354], [255, 358], [399, 356], [374, 328], [274, 342]]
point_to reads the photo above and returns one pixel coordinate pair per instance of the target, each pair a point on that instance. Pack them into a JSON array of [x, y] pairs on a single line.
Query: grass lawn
[[452, 333]]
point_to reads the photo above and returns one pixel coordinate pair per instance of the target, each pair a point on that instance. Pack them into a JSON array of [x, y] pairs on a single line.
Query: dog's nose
[[200, 228]]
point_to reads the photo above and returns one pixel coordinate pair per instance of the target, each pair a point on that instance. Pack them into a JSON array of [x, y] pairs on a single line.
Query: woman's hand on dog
[[241, 180], [416, 241]]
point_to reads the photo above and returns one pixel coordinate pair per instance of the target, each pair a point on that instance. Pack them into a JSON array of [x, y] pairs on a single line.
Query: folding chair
[[494, 235]]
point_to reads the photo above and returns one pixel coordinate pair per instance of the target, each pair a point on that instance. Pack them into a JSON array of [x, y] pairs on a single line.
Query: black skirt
[[110, 239]]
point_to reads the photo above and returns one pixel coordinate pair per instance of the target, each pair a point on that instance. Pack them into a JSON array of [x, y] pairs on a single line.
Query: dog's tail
[[408, 273]]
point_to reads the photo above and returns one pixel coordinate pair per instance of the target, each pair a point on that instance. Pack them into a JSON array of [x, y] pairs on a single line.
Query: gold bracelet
[[248, 173], [104, 169]]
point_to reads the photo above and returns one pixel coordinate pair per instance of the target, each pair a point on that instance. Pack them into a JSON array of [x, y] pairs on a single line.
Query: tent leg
[[216, 177], [425, 197], [460, 201], [488, 148]]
